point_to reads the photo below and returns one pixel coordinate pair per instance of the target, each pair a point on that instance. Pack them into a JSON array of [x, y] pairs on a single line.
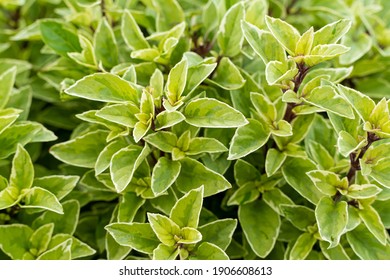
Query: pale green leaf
[[105, 46], [59, 252], [14, 240], [332, 218], [218, 232], [294, 171], [139, 236], [193, 174], [186, 211], [209, 112], [247, 139], [40, 239], [37, 197], [59, 185], [82, 151], [166, 230], [123, 114], [164, 252], [261, 225], [209, 251], [124, 163], [162, 140], [302, 247], [366, 246], [274, 161], [286, 34], [300, 216], [164, 174], [230, 35], [131, 32], [22, 172], [227, 75], [168, 119], [7, 80], [331, 33], [104, 87], [372, 220], [176, 81], [263, 43]]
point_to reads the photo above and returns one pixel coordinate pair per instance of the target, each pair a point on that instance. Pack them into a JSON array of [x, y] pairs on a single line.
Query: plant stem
[[354, 159], [298, 79]]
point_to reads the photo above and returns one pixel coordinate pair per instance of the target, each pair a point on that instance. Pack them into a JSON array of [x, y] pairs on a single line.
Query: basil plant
[[194, 130]]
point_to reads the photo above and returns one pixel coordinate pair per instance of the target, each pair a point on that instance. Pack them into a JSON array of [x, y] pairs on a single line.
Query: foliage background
[[174, 129]]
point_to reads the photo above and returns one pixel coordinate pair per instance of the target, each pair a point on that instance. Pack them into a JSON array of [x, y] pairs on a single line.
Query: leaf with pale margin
[[164, 174], [186, 211], [247, 139], [212, 113], [332, 218]]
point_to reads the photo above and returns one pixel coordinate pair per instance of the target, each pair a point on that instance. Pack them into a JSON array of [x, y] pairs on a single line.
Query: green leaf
[[320, 155], [139, 236], [162, 140], [209, 112], [186, 211], [124, 163], [305, 43], [366, 246], [348, 144], [322, 53], [301, 217], [218, 232], [260, 224], [245, 194], [123, 114], [326, 97], [8, 198], [303, 246], [247, 139], [8, 117], [196, 75], [106, 50], [64, 223], [14, 240], [372, 220], [167, 119], [230, 35], [59, 37], [363, 191], [294, 171], [164, 252], [104, 87], [82, 151], [380, 172], [285, 33], [193, 174], [227, 75], [41, 198], [7, 80], [331, 33], [114, 250], [79, 249], [362, 104], [166, 230], [58, 185], [104, 158], [177, 81], [263, 43], [275, 198], [40, 239], [131, 32], [209, 251], [274, 161], [164, 174], [200, 145], [189, 236], [169, 14], [383, 209], [129, 205], [336, 253], [60, 252], [327, 182], [276, 72], [22, 172], [332, 218]]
